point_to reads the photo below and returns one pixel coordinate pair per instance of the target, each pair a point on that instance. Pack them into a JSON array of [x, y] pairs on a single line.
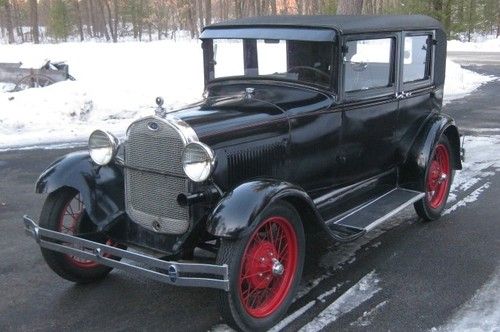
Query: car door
[[416, 92], [370, 107]]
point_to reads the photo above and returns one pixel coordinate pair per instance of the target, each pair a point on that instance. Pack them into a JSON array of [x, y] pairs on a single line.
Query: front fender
[[412, 172], [101, 188], [234, 215]]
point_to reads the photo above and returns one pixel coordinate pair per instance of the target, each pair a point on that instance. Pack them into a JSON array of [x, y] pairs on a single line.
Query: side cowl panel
[[234, 215], [412, 172], [101, 188]]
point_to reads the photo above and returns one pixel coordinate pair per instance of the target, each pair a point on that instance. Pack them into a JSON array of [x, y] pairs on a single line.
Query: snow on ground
[[482, 161], [481, 313], [115, 84], [490, 44], [461, 82], [351, 299]]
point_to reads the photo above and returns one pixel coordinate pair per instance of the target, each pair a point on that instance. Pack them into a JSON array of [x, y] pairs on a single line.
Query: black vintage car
[[308, 123]]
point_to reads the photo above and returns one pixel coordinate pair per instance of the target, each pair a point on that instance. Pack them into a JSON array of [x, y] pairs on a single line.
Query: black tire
[[50, 218], [232, 252], [425, 208]]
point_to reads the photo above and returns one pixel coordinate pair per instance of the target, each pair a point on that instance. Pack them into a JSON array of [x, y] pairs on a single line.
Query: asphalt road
[[425, 271]]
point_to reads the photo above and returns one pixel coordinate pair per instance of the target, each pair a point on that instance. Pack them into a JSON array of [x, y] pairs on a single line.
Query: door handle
[[402, 95]]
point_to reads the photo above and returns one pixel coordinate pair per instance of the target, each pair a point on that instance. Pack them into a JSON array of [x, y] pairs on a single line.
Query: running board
[[368, 216]]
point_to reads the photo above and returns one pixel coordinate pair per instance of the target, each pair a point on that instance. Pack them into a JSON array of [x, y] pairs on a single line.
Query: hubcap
[[278, 268], [438, 177], [268, 267]]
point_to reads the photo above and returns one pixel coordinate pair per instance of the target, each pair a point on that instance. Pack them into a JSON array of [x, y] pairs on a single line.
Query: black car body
[[347, 133]]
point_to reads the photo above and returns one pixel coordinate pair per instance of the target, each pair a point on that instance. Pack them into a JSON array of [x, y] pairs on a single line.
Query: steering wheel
[[316, 71]]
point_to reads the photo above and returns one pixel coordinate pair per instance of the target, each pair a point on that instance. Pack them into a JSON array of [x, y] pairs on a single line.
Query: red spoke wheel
[[70, 220], [438, 178], [64, 212], [265, 268]]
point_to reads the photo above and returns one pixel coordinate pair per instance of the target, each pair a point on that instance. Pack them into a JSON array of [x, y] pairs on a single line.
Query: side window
[[368, 63], [417, 58]]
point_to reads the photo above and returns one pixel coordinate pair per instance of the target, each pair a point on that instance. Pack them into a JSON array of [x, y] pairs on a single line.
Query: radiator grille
[[154, 177]]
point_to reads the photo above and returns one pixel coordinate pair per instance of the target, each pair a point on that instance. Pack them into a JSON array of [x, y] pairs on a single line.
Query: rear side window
[[368, 63], [417, 58]]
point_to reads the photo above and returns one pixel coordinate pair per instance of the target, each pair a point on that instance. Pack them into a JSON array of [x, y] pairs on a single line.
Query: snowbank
[[488, 45], [460, 82], [115, 84]]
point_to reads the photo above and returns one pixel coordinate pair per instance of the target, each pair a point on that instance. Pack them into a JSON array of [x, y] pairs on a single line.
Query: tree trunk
[[208, 12], [470, 25], [34, 21], [274, 8], [103, 19], [8, 23], [110, 22], [18, 23], [447, 17], [300, 6], [92, 17], [350, 7], [115, 22], [200, 14], [78, 20]]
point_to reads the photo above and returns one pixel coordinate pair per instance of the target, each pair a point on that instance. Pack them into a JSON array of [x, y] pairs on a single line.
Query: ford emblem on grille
[[153, 126]]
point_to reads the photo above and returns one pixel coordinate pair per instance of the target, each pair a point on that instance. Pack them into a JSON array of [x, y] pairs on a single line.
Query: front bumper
[[172, 273]]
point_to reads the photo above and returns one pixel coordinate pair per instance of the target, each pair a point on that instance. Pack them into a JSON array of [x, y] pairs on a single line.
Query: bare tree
[[208, 12], [350, 7], [79, 23], [8, 21], [274, 8], [300, 6], [34, 21]]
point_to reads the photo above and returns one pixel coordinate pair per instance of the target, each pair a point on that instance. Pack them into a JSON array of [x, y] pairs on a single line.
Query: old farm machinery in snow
[[21, 77]]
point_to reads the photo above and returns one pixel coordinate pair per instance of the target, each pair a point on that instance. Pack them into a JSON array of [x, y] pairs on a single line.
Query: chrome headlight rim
[[113, 144], [203, 176]]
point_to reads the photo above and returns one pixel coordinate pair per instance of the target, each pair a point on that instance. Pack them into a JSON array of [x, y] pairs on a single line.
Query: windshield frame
[[208, 56]]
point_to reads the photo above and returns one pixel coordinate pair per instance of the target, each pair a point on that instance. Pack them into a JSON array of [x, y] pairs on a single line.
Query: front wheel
[[438, 178], [64, 212], [265, 268]]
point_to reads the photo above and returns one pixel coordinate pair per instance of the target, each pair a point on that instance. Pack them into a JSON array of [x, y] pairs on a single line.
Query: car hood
[[229, 116]]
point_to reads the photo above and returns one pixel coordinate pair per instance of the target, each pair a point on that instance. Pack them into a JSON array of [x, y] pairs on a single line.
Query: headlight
[[102, 147], [198, 161]]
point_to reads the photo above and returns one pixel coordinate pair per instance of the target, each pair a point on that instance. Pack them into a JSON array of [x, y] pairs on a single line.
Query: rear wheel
[[438, 178], [64, 212], [265, 268]]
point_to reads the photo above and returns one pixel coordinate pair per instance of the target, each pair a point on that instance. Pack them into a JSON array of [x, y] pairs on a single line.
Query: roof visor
[[303, 34]]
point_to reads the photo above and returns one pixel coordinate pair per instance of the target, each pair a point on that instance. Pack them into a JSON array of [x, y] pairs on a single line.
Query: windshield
[[304, 61]]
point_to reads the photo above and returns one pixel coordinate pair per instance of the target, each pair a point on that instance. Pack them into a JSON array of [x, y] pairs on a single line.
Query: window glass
[[416, 65], [271, 56], [368, 64], [228, 57], [294, 60]]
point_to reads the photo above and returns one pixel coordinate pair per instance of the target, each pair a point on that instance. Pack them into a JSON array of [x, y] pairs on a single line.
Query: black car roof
[[342, 23]]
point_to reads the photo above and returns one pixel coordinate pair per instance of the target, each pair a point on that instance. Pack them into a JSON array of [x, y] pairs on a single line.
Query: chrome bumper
[[172, 271]]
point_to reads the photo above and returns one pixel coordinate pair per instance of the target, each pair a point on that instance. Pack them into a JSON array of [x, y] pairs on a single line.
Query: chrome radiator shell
[[154, 176]]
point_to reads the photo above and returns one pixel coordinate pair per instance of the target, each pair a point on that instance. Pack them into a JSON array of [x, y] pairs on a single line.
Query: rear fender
[[236, 213], [101, 187], [412, 172]]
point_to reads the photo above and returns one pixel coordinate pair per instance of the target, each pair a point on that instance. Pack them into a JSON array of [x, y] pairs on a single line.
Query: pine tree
[[59, 20]]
